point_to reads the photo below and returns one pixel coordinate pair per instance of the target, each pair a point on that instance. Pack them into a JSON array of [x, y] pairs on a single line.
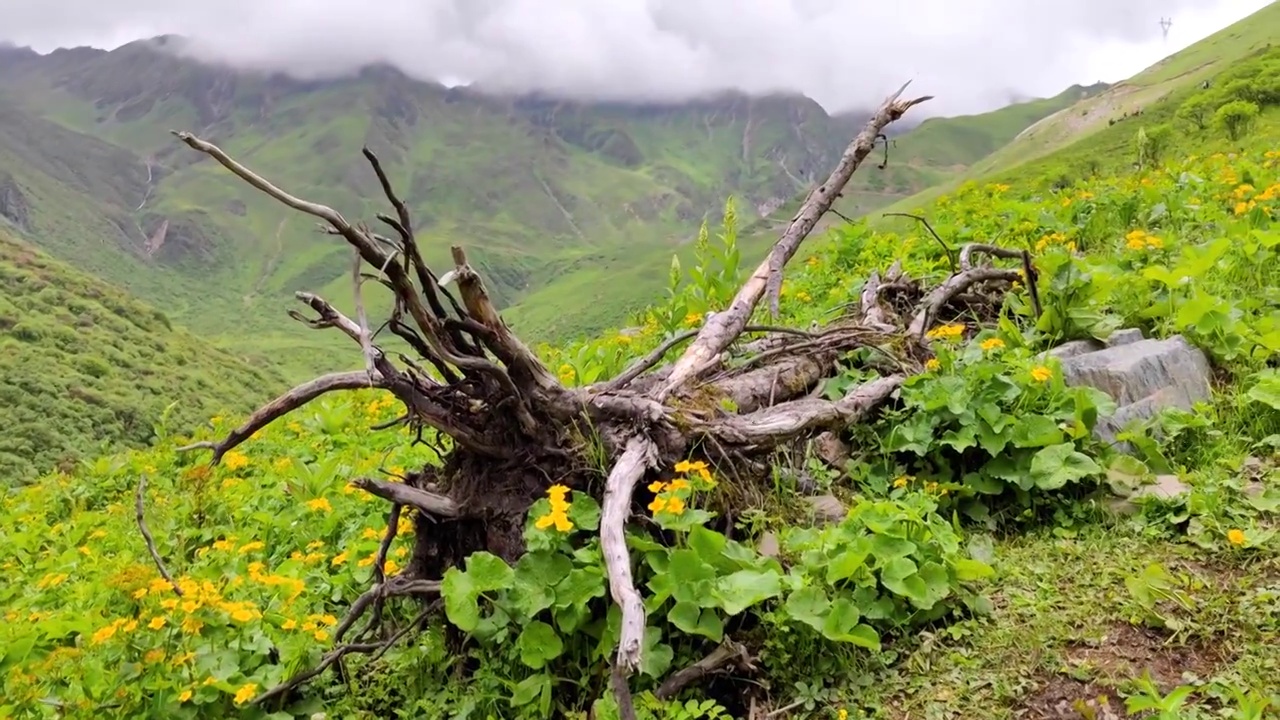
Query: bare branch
[[401, 494], [362, 320], [951, 258], [146, 535], [720, 330], [967, 252], [286, 403], [329, 316], [725, 654], [639, 455], [784, 421], [944, 293], [333, 656]]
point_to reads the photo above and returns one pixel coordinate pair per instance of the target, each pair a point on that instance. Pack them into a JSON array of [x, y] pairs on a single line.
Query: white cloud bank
[[972, 54]]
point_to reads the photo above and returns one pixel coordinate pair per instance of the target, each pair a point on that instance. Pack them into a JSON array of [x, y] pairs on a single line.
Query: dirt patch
[[1125, 653]]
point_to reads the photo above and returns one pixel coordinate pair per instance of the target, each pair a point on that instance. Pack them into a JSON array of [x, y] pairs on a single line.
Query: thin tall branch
[[721, 330], [146, 535]]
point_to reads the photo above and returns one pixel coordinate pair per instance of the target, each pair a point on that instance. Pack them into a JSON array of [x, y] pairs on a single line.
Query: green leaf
[[584, 511], [580, 586], [848, 561], [461, 600], [697, 621], [1057, 465], [1036, 431], [488, 572], [691, 576], [536, 575], [528, 690], [656, 657], [1267, 389], [808, 605], [539, 644], [738, 591], [842, 625], [968, 569]]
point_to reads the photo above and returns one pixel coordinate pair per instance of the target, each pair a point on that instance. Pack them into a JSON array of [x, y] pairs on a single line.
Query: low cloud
[[846, 54]]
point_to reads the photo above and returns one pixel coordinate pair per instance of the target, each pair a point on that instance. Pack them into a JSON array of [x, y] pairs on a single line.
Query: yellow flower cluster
[[1041, 373], [932, 364], [567, 374], [235, 460], [692, 319], [377, 407], [992, 344], [1139, 239], [1055, 238], [670, 497], [946, 332], [558, 516]]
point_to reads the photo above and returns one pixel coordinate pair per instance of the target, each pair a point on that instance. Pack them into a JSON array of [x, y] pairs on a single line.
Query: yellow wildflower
[[289, 624], [154, 656], [320, 505], [246, 693], [139, 593], [390, 567], [339, 558], [1235, 536], [156, 623], [184, 696], [951, 331], [104, 634], [678, 484], [658, 505], [129, 626], [321, 635], [235, 460], [1041, 373], [192, 626], [656, 486], [251, 546], [932, 364], [169, 603], [370, 534], [692, 319], [901, 481], [992, 344], [675, 505]]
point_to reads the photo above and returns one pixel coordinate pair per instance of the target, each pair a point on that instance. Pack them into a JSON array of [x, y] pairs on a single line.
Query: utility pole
[[1164, 27]]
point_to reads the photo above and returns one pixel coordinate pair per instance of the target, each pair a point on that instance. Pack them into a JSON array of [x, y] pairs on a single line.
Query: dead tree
[[513, 428]]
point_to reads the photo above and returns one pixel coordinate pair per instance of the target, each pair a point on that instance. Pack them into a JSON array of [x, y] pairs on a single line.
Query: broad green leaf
[[580, 586], [740, 590], [968, 569], [539, 644], [697, 621], [1057, 465], [841, 625], [1266, 389], [1036, 431], [808, 605], [488, 572], [461, 600]]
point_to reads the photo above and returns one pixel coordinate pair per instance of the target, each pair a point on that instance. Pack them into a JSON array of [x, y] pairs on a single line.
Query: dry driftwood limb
[[776, 424], [362, 320], [944, 293], [401, 494], [721, 330], [393, 526], [969, 250], [292, 400], [146, 535], [639, 455], [726, 654]]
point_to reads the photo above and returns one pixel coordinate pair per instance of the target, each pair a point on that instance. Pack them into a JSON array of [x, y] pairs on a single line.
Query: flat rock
[[832, 450], [826, 509], [1166, 487], [769, 546], [1143, 377]]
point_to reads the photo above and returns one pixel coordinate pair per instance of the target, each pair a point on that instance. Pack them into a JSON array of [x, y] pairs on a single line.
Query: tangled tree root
[[513, 429]]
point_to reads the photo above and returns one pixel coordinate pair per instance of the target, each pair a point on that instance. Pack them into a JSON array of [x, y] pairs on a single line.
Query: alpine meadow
[[375, 398]]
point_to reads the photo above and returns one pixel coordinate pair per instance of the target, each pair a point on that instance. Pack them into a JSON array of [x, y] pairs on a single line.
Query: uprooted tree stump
[[514, 429]]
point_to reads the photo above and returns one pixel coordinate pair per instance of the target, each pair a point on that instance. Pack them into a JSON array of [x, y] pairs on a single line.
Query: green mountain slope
[[548, 196], [1125, 103], [84, 367]]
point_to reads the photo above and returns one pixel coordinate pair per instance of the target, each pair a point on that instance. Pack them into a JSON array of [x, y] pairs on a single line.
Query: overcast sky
[[971, 54]]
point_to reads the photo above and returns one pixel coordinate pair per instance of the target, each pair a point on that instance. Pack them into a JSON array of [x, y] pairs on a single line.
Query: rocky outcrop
[[1142, 376], [13, 203]]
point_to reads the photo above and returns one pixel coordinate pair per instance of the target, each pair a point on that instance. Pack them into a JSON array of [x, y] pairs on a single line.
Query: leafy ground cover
[[981, 570], [84, 368]]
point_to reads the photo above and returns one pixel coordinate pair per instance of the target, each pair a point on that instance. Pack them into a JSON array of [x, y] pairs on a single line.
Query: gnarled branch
[[721, 329], [286, 403], [401, 494], [146, 535]]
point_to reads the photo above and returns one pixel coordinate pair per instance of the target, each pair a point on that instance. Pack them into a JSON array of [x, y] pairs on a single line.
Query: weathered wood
[[724, 327]]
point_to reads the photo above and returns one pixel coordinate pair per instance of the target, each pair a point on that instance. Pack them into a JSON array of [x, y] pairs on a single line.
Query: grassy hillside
[[1175, 75], [86, 369], [555, 200], [975, 576]]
